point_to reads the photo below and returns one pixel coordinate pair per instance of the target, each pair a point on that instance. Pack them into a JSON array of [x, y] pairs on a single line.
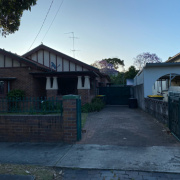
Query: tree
[[11, 12], [102, 64], [119, 79], [141, 59], [131, 73], [107, 67], [110, 63], [116, 62]]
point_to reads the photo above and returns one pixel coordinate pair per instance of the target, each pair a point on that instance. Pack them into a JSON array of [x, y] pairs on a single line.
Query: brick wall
[[31, 128], [51, 93], [85, 96], [41, 128], [69, 120], [32, 86]]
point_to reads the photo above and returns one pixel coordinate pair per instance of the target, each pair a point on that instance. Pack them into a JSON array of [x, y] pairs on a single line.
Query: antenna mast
[[73, 38]]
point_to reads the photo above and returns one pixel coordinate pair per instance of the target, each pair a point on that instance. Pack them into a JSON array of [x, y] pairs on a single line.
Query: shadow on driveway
[[119, 125]]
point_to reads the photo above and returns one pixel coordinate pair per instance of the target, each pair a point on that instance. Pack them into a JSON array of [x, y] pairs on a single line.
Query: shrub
[[86, 108], [95, 105], [14, 97], [16, 94], [50, 106]]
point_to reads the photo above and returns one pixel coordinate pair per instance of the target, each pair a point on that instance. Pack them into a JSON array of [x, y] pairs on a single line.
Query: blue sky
[[105, 28]]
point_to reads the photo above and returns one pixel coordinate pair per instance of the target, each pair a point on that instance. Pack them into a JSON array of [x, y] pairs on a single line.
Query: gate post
[[71, 118], [169, 110]]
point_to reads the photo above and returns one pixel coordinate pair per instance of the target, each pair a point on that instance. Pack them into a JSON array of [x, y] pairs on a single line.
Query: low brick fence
[[158, 109], [31, 128], [41, 128]]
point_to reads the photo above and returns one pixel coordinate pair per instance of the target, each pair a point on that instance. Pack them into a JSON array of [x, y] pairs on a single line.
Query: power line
[[42, 25], [53, 19]]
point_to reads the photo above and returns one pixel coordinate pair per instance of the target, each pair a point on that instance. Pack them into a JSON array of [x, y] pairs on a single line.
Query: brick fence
[[41, 128], [31, 128], [158, 109]]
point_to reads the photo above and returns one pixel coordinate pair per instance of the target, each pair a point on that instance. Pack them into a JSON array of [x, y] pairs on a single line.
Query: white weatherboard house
[[156, 78]]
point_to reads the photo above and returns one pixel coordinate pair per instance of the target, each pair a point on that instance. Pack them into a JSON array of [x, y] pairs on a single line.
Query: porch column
[[84, 92], [79, 84], [55, 83], [48, 83], [86, 83]]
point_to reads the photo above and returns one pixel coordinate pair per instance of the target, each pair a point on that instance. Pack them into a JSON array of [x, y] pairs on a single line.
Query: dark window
[[2, 87]]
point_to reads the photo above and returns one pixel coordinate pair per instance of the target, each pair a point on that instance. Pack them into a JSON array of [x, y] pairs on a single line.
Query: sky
[[104, 29]]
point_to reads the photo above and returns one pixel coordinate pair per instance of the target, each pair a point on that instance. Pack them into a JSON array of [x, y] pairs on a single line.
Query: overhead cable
[[53, 20], [41, 25]]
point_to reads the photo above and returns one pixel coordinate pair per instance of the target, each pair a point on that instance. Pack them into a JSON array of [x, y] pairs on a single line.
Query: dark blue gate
[[116, 95]]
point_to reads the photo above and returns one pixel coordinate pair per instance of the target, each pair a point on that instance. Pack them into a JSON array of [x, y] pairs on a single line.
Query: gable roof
[[173, 58], [23, 60], [73, 60]]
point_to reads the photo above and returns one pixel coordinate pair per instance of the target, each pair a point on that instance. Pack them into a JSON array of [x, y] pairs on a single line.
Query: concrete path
[[119, 143], [157, 158], [87, 174], [16, 177], [120, 125]]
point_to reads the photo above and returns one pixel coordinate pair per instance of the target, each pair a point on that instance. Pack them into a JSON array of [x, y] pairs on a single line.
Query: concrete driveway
[[119, 125]]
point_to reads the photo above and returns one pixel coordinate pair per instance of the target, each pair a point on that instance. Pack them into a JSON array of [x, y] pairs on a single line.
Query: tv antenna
[[73, 38]]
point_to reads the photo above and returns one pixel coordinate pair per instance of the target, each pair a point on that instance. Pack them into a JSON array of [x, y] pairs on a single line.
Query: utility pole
[[73, 38]]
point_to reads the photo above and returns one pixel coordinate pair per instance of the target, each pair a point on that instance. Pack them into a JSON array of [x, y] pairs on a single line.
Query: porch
[[57, 84]]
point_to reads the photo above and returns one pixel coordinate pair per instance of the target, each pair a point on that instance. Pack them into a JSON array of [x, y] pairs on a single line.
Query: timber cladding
[[31, 128]]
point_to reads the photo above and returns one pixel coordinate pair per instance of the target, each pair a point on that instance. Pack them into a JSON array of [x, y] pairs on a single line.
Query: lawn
[[83, 119], [40, 172]]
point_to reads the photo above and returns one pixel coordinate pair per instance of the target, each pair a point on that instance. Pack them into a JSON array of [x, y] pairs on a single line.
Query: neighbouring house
[[46, 72], [129, 82], [156, 79]]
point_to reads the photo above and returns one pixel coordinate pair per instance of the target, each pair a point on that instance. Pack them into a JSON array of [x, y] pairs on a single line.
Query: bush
[[16, 94], [95, 105], [50, 106]]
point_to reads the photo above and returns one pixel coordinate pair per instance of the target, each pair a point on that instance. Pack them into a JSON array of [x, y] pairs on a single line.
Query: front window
[[1, 87]]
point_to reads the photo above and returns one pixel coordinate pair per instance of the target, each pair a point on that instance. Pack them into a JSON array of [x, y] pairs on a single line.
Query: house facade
[[45, 72], [156, 79]]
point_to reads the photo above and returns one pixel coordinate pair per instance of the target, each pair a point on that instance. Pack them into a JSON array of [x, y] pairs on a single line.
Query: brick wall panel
[[33, 87], [31, 129]]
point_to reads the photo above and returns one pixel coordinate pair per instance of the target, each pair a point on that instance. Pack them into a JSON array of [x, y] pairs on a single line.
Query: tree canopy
[[120, 79], [116, 62], [146, 57], [110, 63], [11, 12], [131, 73]]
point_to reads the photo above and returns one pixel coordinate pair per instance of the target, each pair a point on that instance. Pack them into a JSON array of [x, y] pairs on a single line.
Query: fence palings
[[174, 113]]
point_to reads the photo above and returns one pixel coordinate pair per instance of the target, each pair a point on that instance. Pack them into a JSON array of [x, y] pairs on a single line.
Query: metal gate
[[116, 95], [174, 113]]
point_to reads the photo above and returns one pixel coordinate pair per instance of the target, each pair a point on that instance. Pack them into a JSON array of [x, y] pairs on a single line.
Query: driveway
[[120, 125]]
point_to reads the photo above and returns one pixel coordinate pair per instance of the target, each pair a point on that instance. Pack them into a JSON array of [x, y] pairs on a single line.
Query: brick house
[[44, 71]]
